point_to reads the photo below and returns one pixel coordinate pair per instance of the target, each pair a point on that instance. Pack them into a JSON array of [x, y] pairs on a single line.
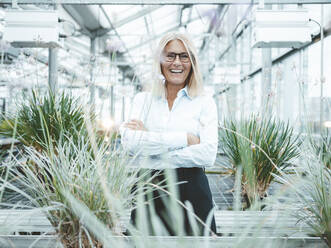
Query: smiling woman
[[175, 70], [173, 130]]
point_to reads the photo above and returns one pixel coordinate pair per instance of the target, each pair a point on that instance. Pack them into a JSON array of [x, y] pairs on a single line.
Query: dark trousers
[[192, 186]]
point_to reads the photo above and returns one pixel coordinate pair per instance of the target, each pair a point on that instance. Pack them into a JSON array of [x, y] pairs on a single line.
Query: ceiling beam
[[78, 19], [88, 17], [162, 2]]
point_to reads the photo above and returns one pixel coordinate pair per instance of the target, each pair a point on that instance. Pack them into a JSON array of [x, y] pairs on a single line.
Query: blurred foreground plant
[[85, 206], [312, 186], [101, 182], [252, 236], [262, 147]]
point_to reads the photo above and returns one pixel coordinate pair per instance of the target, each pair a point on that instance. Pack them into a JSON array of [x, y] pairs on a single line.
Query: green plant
[[312, 200], [46, 121], [86, 195], [101, 182], [322, 148], [263, 148], [248, 237], [2, 156], [7, 151]]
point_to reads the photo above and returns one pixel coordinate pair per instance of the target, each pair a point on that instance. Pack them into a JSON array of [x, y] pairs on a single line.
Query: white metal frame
[[161, 2]]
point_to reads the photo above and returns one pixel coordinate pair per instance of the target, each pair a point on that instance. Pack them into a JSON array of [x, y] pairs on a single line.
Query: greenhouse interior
[[109, 139]]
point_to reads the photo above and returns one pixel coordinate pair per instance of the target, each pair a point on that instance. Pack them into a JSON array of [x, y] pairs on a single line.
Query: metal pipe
[[163, 2], [301, 91], [92, 64], [322, 79], [123, 98], [266, 79], [112, 102], [52, 69]]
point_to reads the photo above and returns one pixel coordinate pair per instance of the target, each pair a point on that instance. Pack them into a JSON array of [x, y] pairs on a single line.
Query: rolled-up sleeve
[[203, 154], [148, 142]]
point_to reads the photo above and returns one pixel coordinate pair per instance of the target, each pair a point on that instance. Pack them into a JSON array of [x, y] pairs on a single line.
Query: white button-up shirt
[[164, 145]]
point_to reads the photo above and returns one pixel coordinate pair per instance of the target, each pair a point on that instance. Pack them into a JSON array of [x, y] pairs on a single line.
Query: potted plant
[[261, 148]]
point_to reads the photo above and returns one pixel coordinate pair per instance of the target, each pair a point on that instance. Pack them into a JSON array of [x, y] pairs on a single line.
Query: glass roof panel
[[117, 13], [165, 18], [204, 12], [132, 33], [141, 29], [135, 27], [196, 27]]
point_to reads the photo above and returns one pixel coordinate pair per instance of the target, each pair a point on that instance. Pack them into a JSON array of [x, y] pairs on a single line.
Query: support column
[[243, 97], [252, 101], [217, 102], [301, 91], [123, 99], [112, 102], [322, 78], [92, 64], [266, 102], [52, 69]]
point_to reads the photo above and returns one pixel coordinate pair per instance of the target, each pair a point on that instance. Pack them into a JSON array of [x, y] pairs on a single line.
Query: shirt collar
[[184, 92]]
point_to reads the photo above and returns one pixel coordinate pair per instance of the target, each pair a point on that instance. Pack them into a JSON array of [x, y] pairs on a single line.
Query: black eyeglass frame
[[181, 59]]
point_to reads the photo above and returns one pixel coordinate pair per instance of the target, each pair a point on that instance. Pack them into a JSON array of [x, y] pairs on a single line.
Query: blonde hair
[[194, 83]]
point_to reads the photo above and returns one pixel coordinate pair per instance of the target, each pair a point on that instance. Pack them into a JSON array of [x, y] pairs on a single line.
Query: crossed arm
[[135, 124], [180, 148]]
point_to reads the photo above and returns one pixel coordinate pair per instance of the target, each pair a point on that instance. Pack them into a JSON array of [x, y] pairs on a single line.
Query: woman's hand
[[135, 124], [192, 139]]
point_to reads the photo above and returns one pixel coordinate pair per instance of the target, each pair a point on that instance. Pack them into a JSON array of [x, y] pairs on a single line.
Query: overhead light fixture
[[31, 28], [281, 28], [327, 124]]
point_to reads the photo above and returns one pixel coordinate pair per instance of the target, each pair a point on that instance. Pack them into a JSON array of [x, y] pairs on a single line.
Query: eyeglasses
[[183, 57]]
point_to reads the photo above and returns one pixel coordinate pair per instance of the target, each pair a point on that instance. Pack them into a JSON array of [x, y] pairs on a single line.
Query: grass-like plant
[[102, 182], [262, 147], [85, 195], [315, 196], [101, 185], [311, 200], [249, 237], [322, 147], [44, 121], [2, 157]]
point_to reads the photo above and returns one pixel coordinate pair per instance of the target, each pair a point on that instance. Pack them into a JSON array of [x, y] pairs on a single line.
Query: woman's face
[[175, 63]]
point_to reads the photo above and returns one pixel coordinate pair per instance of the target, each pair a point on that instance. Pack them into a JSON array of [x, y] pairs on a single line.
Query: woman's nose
[[177, 60]]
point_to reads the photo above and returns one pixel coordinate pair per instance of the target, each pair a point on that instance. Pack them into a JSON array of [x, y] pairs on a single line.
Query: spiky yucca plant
[[44, 121], [263, 147], [322, 148]]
